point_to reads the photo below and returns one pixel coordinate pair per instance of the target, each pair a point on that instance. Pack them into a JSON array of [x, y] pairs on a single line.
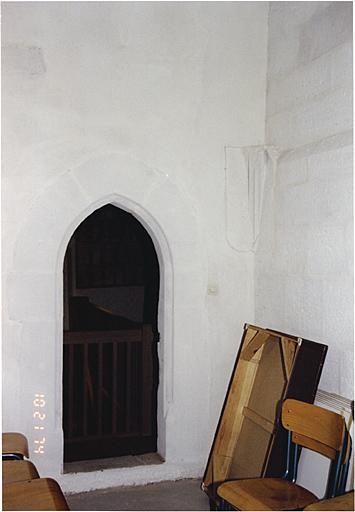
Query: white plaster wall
[[131, 103], [304, 259], [304, 262]]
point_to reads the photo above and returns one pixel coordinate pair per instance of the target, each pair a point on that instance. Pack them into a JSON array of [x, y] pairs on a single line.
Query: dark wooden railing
[[108, 390]]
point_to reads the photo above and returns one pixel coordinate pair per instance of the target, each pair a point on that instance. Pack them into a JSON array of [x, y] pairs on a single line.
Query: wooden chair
[[343, 477], [37, 494], [18, 471], [342, 502], [14, 446], [309, 426]]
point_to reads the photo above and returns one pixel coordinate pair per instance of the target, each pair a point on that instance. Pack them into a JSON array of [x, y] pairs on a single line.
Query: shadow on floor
[[176, 495]]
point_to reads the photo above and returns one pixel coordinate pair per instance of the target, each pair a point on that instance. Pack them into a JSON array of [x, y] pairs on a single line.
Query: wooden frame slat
[[250, 417], [288, 352], [259, 420], [254, 345]]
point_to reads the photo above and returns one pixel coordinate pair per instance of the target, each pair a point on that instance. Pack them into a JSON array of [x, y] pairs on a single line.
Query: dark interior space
[[110, 367]]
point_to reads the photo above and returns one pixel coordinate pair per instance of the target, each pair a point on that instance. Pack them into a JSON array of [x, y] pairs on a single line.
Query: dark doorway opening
[[110, 366]]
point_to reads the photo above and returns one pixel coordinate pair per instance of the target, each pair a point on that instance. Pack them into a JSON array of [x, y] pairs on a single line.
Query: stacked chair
[[23, 489], [342, 502], [311, 427]]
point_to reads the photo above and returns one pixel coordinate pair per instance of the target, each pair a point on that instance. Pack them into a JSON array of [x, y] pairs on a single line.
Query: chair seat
[[38, 494], [265, 494], [18, 471], [14, 443], [343, 502]]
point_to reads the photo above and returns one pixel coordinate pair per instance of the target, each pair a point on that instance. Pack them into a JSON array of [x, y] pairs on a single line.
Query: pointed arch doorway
[[110, 361]]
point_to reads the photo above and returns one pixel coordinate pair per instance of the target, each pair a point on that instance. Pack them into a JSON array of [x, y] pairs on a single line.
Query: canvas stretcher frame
[[250, 441]]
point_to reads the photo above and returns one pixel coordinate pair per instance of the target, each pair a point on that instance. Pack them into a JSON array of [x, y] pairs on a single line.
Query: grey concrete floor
[[177, 495]]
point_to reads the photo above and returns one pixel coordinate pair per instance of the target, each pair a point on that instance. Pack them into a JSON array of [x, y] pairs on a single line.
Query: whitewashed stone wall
[[155, 107], [130, 103], [304, 262]]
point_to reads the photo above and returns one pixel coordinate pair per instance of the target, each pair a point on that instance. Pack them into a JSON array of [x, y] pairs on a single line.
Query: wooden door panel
[[109, 393]]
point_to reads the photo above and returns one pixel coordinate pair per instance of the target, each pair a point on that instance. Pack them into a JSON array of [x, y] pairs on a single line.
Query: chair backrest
[[322, 431], [313, 427], [14, 446]]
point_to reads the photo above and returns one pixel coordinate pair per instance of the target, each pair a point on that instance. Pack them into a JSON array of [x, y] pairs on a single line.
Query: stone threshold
[[127, 461]]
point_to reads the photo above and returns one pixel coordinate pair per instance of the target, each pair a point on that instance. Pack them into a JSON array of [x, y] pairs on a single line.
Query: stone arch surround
[[35, 311]]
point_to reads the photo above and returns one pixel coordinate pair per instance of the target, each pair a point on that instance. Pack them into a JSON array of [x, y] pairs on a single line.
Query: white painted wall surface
[[304, 261], [131, 103], [134, 103]]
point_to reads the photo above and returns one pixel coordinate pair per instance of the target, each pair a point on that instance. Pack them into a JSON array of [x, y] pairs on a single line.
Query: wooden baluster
[[114, 387], [134, 382], [65, 386], [71, 392], [99, 390], [85, 392], [147, 380], [128, 386]]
